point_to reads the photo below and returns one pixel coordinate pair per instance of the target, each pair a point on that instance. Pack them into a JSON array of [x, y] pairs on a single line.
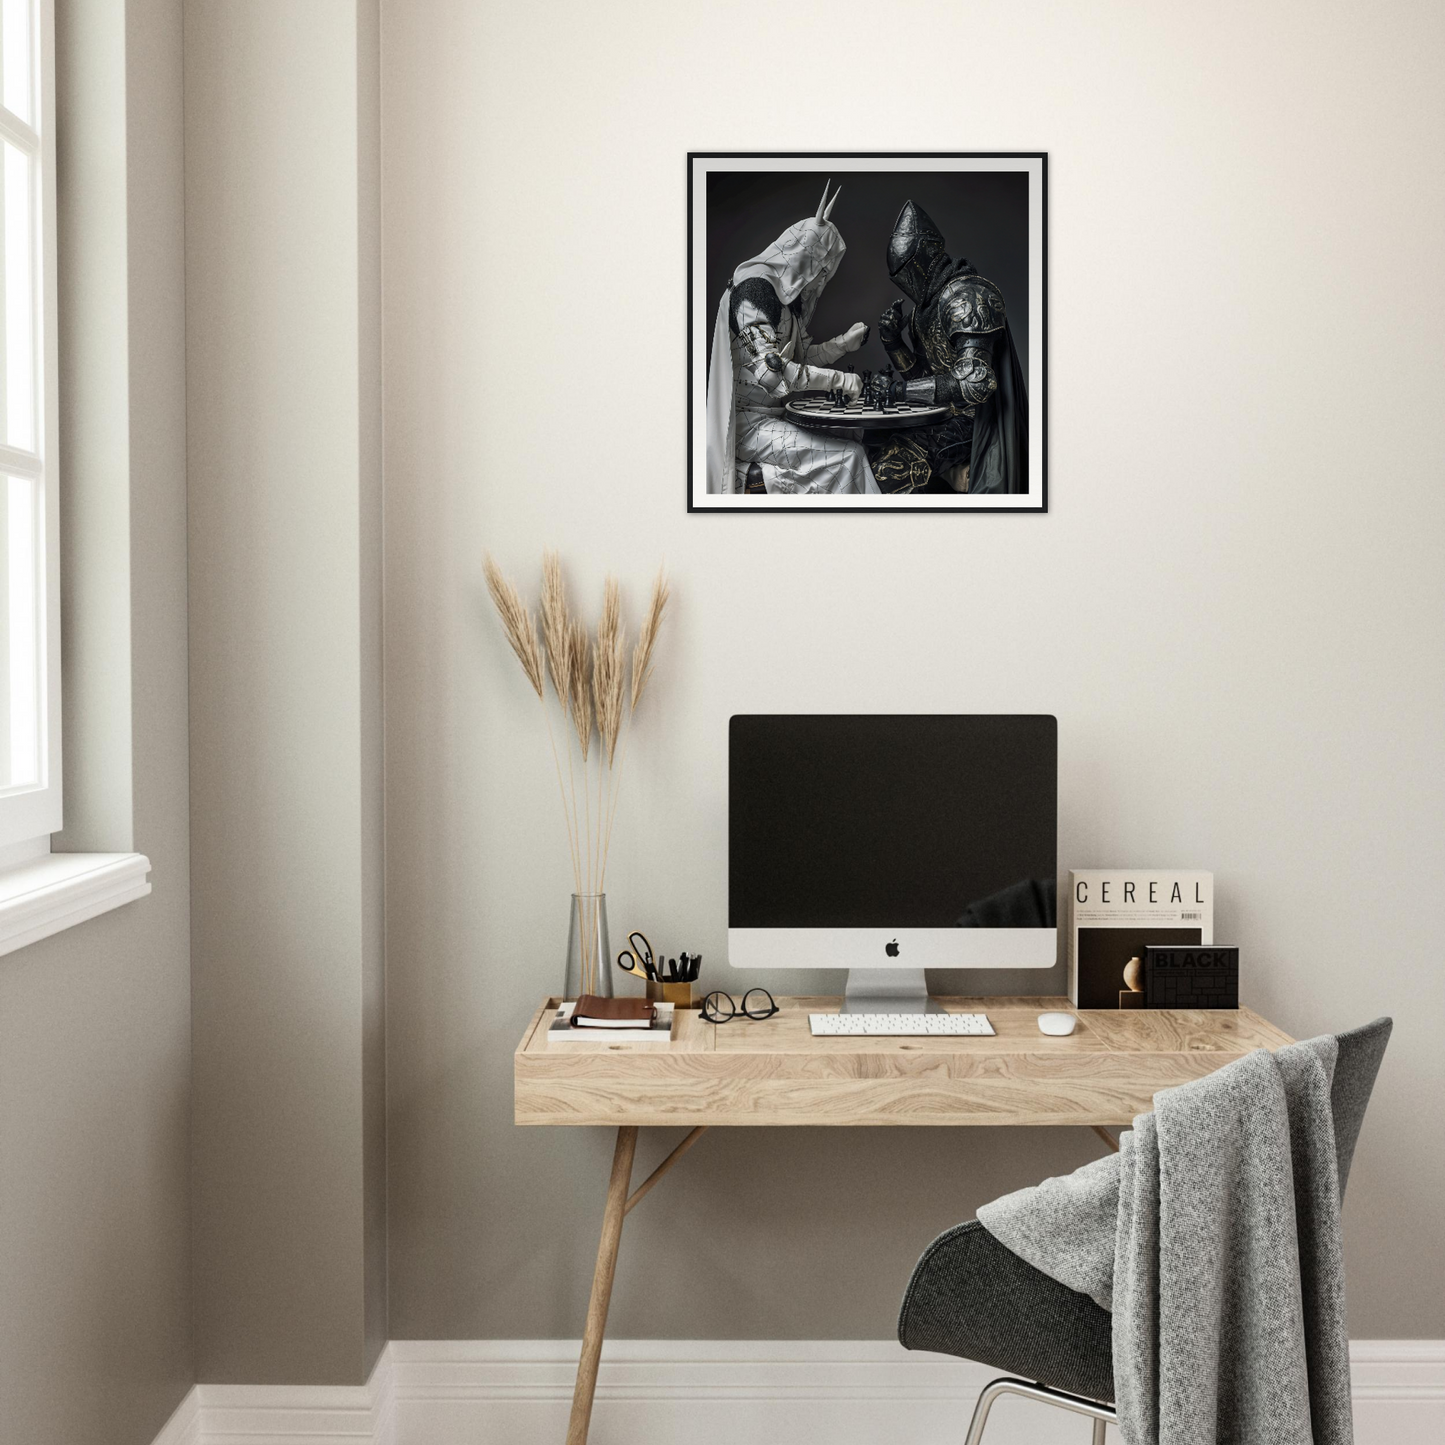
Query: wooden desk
[[759, 1073]]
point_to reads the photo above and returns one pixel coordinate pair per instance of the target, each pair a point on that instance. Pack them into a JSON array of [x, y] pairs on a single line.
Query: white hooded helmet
[[801, 262]]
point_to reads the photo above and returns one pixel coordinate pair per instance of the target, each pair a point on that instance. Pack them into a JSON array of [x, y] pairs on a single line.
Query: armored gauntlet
[[890, 333]]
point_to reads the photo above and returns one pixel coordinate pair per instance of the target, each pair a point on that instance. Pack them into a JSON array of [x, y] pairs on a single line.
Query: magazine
[[1114, 913]]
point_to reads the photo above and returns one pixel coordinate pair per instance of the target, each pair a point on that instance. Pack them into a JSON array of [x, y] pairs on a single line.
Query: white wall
[[1234, 606]]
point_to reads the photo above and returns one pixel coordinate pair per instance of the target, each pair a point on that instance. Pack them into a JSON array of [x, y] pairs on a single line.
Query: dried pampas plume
[[579, 684], [517, 623], [556, 634], [647, 637], [609, 670]]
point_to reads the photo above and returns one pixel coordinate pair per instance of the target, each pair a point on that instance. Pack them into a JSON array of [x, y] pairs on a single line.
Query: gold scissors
[[637, 958]]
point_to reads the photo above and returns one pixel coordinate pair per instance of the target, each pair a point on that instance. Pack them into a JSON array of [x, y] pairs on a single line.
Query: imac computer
[[890, 844]]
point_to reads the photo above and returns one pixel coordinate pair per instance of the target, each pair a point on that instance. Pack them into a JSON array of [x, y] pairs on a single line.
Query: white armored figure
[[761, 352]]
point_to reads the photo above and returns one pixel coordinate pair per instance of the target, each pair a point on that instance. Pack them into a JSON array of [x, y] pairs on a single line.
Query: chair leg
[[1099, 1413], [980, 1411]]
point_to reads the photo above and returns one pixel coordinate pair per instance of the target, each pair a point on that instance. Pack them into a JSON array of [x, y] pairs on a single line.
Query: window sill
[[59, 890]]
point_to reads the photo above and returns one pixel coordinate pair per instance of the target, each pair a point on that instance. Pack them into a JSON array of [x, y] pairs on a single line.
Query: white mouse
[[1058, 1024]]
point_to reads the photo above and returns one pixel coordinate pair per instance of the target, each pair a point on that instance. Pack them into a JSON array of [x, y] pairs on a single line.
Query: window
[[41, 892], [30, 796]]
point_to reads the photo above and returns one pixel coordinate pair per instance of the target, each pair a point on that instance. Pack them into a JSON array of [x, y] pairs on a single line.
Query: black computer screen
[[911, 821]]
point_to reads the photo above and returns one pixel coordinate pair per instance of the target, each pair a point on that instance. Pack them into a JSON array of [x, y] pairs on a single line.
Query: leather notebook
[[612, 1013]]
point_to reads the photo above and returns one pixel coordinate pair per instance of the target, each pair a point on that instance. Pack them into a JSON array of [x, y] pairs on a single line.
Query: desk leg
[[612, 1217]]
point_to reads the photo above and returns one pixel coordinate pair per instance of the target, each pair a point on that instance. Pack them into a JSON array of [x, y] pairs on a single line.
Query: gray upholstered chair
[[972, 1297]]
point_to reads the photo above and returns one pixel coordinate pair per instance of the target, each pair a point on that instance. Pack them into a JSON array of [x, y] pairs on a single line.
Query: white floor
[[716, 1392]]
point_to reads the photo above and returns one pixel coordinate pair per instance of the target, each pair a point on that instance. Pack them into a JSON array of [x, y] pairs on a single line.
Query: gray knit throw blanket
[[1214, 1237]]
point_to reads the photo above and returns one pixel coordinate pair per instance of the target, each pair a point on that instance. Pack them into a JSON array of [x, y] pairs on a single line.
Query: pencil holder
[[679, 994]]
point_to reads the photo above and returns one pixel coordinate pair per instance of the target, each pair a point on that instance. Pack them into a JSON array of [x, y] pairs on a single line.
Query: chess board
[[820, 414]]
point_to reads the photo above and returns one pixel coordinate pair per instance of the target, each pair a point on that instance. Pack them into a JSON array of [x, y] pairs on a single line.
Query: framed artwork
[[867, 333]]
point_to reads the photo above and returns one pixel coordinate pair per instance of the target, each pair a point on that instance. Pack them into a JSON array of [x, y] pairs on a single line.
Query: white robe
[[793, 459], [745, 420]]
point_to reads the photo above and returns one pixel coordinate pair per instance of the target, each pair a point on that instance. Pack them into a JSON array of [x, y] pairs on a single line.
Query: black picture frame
[[1033, 165]]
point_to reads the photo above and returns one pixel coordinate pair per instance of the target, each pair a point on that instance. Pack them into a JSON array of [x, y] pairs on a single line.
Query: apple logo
[[891, 949]]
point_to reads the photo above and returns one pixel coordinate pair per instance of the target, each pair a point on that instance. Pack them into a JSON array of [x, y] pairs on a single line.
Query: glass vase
[[589, 953]]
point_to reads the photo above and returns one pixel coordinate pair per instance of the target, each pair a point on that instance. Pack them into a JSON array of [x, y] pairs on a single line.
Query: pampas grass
[[579, 685], [609, 672], [555, 634], [647, 636], [516, 623], [592, 692]]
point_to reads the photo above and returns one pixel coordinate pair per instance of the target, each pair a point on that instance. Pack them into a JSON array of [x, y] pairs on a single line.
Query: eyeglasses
[[719, 1008]]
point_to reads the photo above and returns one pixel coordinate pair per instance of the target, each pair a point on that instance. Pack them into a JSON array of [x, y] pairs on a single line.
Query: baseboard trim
[[1399, 1371], [544, 1370], [700, 1392], [287, 1414]]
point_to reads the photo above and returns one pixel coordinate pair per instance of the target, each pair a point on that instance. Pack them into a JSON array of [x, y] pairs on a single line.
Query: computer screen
[[893, 822]]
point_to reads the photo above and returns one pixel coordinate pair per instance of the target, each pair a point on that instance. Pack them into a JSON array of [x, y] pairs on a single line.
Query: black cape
[[1000, 458]]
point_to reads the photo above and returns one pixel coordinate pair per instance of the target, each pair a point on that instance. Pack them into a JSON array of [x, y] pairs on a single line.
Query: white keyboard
[[912, 1026]]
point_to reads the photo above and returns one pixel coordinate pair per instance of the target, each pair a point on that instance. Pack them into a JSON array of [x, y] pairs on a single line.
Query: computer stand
[[887, 991]]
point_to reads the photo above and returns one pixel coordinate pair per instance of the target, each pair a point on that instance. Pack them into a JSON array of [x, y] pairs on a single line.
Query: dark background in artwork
[[984, 216]]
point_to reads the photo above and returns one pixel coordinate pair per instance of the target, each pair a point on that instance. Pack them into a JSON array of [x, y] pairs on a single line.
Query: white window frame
[[29, 815], [42, 892]]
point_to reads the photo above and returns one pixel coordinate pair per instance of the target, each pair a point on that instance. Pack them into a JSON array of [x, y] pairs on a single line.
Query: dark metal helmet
[[916, 258]]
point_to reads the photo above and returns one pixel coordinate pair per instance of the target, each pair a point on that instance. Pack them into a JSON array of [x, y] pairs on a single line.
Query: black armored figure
[[962, 356]]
